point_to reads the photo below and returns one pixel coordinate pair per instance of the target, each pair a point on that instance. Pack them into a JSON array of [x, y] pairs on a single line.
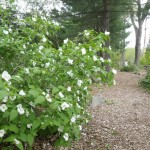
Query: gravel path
[[123, 121]]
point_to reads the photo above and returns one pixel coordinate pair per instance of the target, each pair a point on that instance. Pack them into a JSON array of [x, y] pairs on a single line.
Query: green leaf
[[10, 138], [34, 92], [13, 128], [39, 100], [1, 84], [13, 114], [55, 105], [3, 93], [55, 90], [57, 123], [23, 137], [30, 139], [20, 146], [36, 123]]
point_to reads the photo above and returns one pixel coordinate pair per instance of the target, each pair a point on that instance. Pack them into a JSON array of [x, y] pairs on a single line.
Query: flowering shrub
[[47, 88]]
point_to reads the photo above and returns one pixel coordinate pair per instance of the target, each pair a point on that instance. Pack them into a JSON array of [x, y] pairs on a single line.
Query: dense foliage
[[146, 81], [44, 89]]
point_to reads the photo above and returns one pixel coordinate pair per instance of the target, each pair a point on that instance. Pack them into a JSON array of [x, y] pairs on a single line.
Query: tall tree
[[137, 18]]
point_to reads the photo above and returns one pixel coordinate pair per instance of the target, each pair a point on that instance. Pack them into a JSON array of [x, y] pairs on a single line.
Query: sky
[[145, 35]]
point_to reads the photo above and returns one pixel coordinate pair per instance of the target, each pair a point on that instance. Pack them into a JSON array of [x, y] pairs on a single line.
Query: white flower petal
[[61, 95], [61, 129], [114, 71], [66, 136], [107, 33], [66, 41], [3, 107], [2, 132], [69, 89], [6, 76], [65, 105], [83, 50], [16, 141], [22, 93]]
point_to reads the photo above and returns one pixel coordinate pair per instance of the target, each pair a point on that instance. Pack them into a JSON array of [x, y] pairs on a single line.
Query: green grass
[[130, 54]]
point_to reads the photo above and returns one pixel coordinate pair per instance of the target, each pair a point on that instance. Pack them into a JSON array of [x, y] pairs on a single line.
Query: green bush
[[115, 57], [42, 88], [129, 68], [146, 81], [145, 60]]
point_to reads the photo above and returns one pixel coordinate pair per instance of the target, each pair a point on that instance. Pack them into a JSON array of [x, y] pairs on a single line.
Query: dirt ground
[[122, 122]]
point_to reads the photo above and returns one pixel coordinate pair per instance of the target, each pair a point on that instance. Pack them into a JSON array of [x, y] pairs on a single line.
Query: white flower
[[48, 98], [70, 73], [22, 52], [126, 63], [2, 132], [109, 60], [76, 48], [114, 71], [86, 33], [61, 129], [47, 64], [70, 61], [41, 47], [34, 63], [78, 99], [44, 39], [107, 33], [43, 93], [114, 82], [79, 82], [29, 125], [16, 141], [109, 47], [66, 41], [64, 105], [13, 98], [32, 104], [22, 93], [69, 89], [86, 121], [20, 109], [78, 92], [27, 70], [78, 106], [83, 50], [78, 116], [80, 127], [3, 107], [85, 88], [5, 32], [61, 95], [3, 6], [5, 99], [94, 58], [33, 18], [73, 119], [102, 59], [6, 76], [66, 136], [10, 30], [24, 46]]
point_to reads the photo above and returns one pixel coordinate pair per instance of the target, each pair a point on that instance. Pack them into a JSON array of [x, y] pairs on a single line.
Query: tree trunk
[[106, 18], [123, 58], [138, 45]]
